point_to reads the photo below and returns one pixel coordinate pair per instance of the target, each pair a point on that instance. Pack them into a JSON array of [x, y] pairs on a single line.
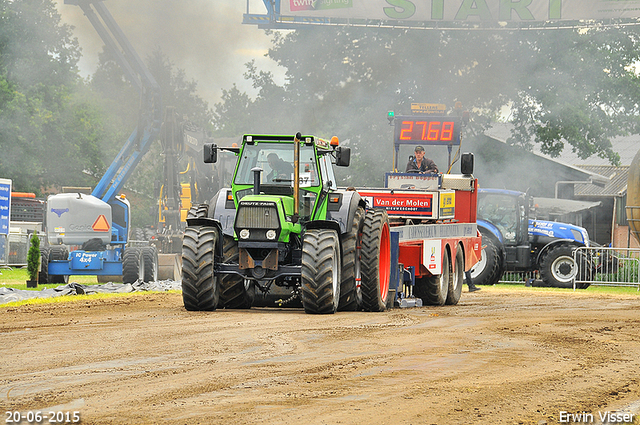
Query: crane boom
[[138, 74]]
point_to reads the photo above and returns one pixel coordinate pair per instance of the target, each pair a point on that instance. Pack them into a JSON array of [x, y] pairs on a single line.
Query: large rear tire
[[375, 260], [198, 211], [457, 279], [150, 263], [132, 265], [351, 245], [320, 271], [558, 268], [233, 293], [199, 283], [488, 270], [434, 289]]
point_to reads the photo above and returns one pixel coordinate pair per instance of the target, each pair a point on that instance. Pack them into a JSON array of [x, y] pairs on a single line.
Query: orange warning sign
[[101, 224]]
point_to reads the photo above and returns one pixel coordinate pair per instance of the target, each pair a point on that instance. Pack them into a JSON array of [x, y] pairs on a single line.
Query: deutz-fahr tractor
[[285, 226]]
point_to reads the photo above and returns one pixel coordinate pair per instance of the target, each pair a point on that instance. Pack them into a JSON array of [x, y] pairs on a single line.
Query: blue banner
[[5, 205]]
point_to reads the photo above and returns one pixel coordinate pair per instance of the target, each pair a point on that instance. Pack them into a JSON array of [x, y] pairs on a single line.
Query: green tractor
[[284, 226]]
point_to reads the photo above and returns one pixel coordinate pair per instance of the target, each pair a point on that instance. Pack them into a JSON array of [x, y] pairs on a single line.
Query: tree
[[49, 125], [33, 257], [563, 86]]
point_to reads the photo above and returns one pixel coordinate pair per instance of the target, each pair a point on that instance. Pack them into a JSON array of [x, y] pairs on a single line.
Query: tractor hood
[[555, 230], [258, 215]]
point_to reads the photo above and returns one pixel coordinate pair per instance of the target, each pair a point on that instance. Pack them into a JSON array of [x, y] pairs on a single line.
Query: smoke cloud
[[205, 38]]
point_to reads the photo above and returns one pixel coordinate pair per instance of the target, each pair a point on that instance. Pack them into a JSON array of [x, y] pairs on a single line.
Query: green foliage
[[573, 87], [627, 272], [50, 127], [33, 257]]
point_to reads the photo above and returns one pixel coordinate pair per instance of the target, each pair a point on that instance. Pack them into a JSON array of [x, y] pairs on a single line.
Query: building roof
[[502, 131], [615, 186], [558, 207]]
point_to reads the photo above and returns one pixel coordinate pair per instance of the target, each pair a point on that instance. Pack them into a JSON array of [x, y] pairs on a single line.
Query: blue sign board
[[5, 205]]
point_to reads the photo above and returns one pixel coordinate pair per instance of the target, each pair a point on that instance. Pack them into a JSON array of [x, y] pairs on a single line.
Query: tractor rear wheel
[[320, 271], [488, 270], [455, 285], [375, 260], [199, 283], [198, 211], [351, 244], [233, 293], [132, 265]]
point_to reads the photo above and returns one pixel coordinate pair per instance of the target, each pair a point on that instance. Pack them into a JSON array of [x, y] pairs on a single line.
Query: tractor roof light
[[334, 141]]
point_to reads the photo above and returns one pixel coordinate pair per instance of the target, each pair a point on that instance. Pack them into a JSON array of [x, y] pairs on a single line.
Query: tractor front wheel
[[558, 267], [199, 283], [320, 271]]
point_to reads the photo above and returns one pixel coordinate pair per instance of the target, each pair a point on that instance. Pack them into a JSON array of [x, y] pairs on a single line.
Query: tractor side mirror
[[466, 164], [210, 153], [343, 156]]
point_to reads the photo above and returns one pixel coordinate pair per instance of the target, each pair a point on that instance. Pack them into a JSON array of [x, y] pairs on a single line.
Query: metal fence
[[605, 266], [18, 244], [599, 266], [519, 277]]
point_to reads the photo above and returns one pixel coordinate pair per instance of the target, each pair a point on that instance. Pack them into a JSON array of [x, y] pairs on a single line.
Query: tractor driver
[[280, 169], [420, 164]]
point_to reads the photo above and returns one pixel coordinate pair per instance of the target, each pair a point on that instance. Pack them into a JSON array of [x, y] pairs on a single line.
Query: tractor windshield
[[276, 162], [501, 210]]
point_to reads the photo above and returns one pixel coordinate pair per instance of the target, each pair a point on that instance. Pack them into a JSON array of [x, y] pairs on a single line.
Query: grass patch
[[17, 278], [623, 290]]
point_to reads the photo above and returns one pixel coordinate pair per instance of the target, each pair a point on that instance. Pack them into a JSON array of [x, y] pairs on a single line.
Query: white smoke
[[206, 38]]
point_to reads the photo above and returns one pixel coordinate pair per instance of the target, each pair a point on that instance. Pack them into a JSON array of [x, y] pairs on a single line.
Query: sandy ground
[[499, 357]]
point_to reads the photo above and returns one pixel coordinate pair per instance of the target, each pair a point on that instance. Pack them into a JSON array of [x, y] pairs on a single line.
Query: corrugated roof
[[616, 186]]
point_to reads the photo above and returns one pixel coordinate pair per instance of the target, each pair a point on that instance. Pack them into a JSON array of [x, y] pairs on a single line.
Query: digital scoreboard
[[427, 130]]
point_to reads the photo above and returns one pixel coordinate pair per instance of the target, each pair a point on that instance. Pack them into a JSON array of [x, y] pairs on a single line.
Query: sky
[[205, 38]]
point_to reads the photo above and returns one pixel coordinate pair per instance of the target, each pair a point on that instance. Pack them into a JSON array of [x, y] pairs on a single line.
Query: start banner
[[464, 10]]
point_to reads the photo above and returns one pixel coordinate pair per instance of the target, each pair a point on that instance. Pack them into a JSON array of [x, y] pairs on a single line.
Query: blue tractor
[[514, 242]]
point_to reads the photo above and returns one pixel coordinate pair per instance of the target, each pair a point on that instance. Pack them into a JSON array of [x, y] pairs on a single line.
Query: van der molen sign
[[464, 10]]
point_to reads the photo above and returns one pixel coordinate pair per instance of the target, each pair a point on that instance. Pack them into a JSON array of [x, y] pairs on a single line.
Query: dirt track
[[499, 357]]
